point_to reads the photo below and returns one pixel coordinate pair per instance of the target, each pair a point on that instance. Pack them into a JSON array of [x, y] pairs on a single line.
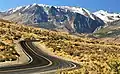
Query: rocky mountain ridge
[[60, 18]]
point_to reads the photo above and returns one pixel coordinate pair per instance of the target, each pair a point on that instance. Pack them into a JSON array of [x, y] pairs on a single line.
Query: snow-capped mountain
[[24, 8], [65, 18], [106, 16], [82, 11]]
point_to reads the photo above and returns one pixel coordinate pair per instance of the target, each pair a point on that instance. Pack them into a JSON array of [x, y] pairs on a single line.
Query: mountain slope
[[112, 30], [60, 18]]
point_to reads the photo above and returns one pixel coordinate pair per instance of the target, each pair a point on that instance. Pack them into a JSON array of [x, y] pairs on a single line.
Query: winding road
[[40, 62]]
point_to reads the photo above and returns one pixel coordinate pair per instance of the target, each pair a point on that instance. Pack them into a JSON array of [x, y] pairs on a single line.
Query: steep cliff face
[[86, 25], [63, 18]]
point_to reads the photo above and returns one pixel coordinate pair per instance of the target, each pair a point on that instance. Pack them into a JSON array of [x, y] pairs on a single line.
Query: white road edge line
[[33, 67], [41, 66]]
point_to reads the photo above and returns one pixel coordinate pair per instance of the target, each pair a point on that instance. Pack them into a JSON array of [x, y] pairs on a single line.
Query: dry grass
[[95, 56]]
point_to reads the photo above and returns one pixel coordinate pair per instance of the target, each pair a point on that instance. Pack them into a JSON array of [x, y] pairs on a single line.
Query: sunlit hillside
[[94, 56]]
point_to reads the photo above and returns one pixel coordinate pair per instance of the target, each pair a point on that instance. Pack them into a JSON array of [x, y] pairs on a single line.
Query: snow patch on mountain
[[79, 10], [27, 7], [12, 10], [106, 16]]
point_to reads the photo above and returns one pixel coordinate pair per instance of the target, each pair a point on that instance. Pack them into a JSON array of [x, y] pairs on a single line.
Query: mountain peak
[[107, 16], [102, 11], [12, 10], [73, 9], [34, 4]]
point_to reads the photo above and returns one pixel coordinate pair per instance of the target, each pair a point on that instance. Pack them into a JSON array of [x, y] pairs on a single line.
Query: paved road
[[40, 62]]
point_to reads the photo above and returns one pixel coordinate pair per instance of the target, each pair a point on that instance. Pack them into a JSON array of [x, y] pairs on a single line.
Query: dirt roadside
[[23, 59], [47, 50]]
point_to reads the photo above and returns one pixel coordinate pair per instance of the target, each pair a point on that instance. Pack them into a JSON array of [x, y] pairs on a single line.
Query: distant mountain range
[[60, 18]]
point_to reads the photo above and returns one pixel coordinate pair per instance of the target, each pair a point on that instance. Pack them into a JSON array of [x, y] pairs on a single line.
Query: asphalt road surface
[[39, 63]]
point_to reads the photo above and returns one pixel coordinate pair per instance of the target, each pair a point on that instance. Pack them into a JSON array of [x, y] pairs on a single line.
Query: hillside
[[94, 55], [112, 30]]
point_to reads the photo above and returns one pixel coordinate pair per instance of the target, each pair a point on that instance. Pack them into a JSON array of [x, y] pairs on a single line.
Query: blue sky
[[91, 5]]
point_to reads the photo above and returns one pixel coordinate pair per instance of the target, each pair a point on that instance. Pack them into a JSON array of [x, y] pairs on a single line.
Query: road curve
[[40, 62]]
